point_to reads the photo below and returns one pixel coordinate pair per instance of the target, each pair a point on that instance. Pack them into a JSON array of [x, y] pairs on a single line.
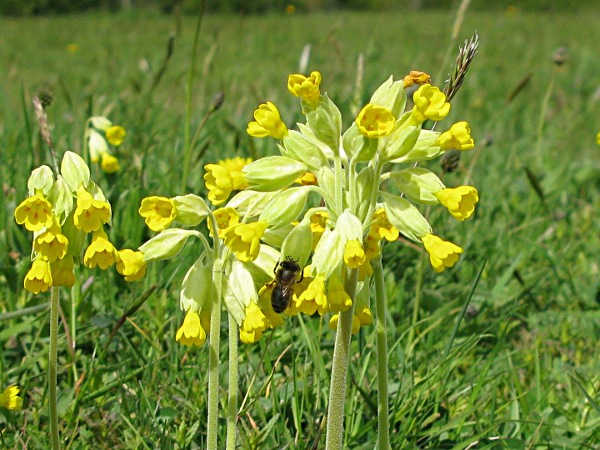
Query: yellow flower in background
[[100, 252], [375, 121], [243, 239], [158, 212], [442, 254], [62, 272], [333, 322], [314, 296], [267, 122], [115, 135], [460, 201], [290, 9], [253, 325], [72, 47], [191, 331], [110, 163], [598, 139], [430, 103], [131, 264], [458, 137], [371, 244], [416, 77], [34, 212], [354, 255], [10, 399], [90, 213], [51, 244], [339, 300], [39, 277], [383, 227], [307, 88]]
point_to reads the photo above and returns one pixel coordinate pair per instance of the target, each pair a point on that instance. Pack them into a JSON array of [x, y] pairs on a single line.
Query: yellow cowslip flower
[[9, 398], [100, 252], [308, 179], [131, 264], [34, 212], [383, 227], [234, 166], [375, 121], [598, 139], [267, 123], [371, 244], [354, 255], [442, 254], [243, 239], [314, 295], [219, 182], [253, 325], [52, 244], [191, 331], [62, 272], [225, 217], [416, 77], [72, 47], [115, 135], [363, 313], [39, 277], [334, 321], [458, 137], [430, 103], [307, 88], [365, 270], [158, 212], [109, 163], [460, 201], [338, 298], [318, 224], [90, 213]]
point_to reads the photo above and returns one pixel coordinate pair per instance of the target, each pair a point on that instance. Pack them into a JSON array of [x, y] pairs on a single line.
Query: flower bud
[[191, 209], [196, 286], [75, 171], [240, 291], [305, 149], [273, 173], [419, 184], [424, 149], [405, 217], [358, 147], [40, 180], [326, 122], [391, 96], [285, 207], [400, 142], [298, 243], [166, 244]]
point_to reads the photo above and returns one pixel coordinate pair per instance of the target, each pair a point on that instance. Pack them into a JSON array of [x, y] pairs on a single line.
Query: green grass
[[524, 362]]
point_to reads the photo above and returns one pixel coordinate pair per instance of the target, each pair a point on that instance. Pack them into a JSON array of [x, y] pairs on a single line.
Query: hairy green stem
[[233, 384], [52, 367], [383, 423], [339, 369], [213, 359]]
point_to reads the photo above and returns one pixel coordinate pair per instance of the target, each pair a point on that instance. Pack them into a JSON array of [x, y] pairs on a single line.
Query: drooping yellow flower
[[110, 163], [115, 135], [234, 166], [62, 272], [90, 213], [318, 224], [371, 244], [460, 201], [100, 252], [375, 121], [442, 254], [383, 227], [131, 264], [416, 77], [333, 322], [253, 325], [306, 88], [191, 331], [430, 103], [354, 254], [243, 239], [34, 212], [308, 179], [339, 300], [52, 244], [158, 212], [39, 277], [313, 296], [219, 182], [458, 137], [10, 399], [225, 217], [363, 313], [267, 122]]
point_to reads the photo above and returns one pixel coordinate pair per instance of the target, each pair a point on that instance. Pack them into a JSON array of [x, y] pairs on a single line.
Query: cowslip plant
[[67, 211]]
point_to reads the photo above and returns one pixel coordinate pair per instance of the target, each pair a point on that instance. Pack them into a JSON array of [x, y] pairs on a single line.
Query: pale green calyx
[[75, 171], [358, 147], [240, 291], [419, 184], [40, 180], [349, 226], [405, 217], [364, 190], [191, 209], [166, 244], [273, 173], [62, 198], [250, 203], [100, 122], [196, 285], [262, 268], [285, 207], [303, 148], [329, 253], [326, 123], [423, 150], [298, 243], [391, 95], [400, 142]]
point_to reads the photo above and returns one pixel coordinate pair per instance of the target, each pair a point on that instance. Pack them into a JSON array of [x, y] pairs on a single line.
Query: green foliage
[[522, 370]]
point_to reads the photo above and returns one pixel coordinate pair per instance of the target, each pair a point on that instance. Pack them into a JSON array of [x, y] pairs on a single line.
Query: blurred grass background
[[523, 371]]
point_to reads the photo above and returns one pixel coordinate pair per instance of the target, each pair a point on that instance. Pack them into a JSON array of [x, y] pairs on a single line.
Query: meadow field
[[500, 351]]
